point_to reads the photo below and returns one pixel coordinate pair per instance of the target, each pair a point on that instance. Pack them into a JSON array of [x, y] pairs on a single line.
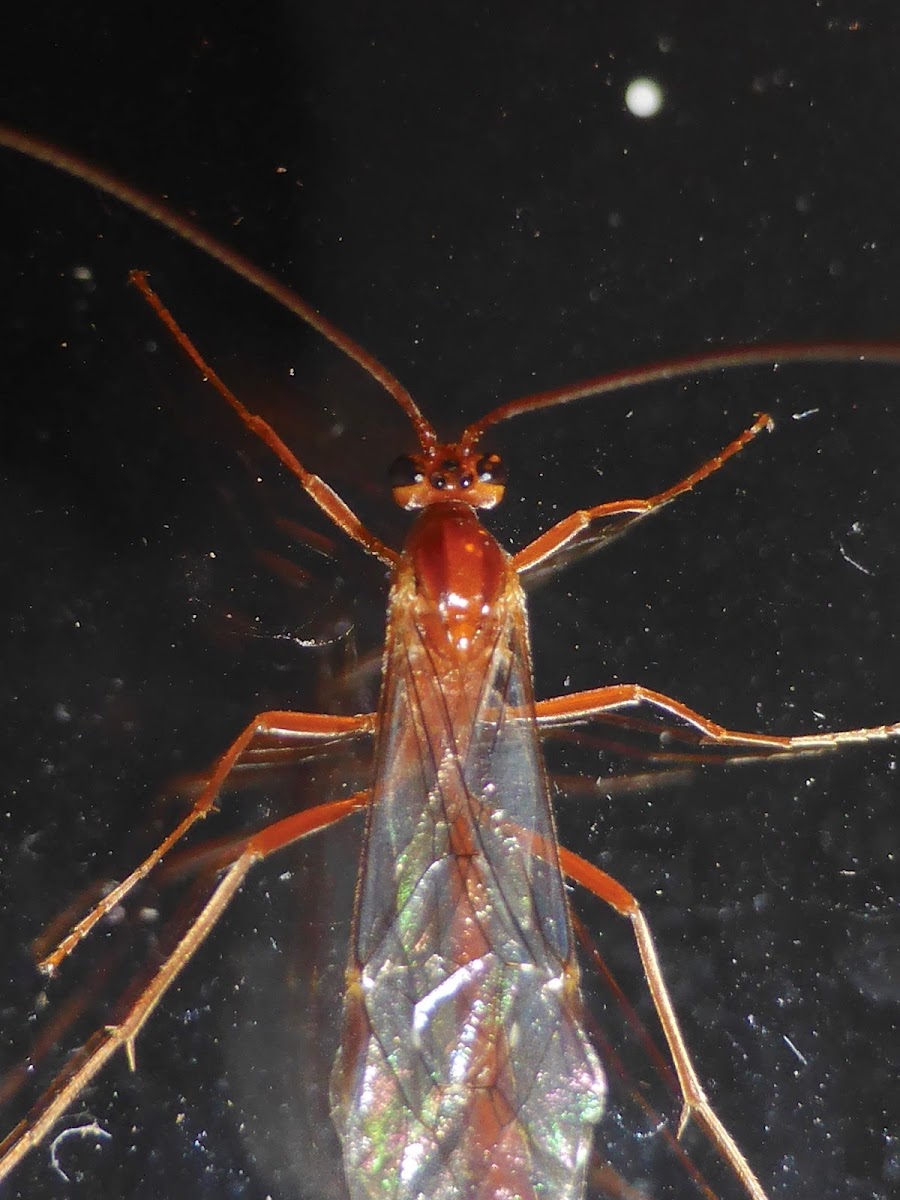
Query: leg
[[583, 706], [317, 489], [575, 529], [695, 1103], [182, 791], [306, 726], [96, 1052]]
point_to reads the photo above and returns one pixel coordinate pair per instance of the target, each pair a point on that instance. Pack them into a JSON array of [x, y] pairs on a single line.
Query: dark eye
[[490, 469], [404, 472]]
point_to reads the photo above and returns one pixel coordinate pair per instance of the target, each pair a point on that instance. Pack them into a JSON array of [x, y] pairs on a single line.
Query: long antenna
[[685, 368], [158, 211]]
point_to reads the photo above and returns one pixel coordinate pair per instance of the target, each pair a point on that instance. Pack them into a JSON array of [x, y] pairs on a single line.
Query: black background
[[466, 194]]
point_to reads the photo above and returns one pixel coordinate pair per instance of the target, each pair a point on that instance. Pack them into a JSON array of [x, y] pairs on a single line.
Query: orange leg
[[312, 727], [575, 530], [695, 1103], [583, 706], [103, 1044], [317, 489]]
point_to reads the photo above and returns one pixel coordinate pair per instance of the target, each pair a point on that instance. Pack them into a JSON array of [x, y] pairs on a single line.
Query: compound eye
[[490, 469], [404, 472]]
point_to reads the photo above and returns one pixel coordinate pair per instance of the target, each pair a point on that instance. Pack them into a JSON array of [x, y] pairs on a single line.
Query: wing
[[465, 1071]]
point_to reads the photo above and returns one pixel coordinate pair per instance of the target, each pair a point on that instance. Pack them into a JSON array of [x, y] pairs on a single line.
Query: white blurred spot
[[643, 97]]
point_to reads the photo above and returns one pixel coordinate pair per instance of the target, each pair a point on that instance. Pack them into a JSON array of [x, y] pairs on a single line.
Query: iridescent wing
[[465, 1070]]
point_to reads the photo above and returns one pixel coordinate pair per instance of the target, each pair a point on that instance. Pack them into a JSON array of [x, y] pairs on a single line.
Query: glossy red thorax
[[460, 573]]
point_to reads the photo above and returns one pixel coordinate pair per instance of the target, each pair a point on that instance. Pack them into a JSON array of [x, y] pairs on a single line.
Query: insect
[[466, 1069]]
